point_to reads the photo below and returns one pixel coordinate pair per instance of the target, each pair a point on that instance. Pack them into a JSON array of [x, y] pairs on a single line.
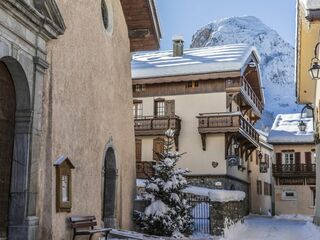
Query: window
[[159, 108], [158, 147], [313, 196], [267, 189], [259, 187], [137, 109], [139, 88], [192, 84], [107, 15], [288, 158], [289, 195], [138, 150]]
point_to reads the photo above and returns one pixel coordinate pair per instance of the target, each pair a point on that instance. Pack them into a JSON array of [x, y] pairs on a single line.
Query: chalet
[[294, 168], [212, 97]]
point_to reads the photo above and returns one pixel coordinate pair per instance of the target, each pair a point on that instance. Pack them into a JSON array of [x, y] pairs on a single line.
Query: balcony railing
[[227, 122], [144, 169], [246, 90], [153, 125], [294, 170]]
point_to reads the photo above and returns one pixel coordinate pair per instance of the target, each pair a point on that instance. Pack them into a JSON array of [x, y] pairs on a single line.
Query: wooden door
[[7, 120], [170, 108], [158, 147]]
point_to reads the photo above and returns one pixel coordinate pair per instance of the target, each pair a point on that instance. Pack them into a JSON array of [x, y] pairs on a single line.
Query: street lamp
[[314, 70], [302, 125]]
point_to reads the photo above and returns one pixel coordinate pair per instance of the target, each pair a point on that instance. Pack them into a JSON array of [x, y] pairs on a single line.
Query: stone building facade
[[65, 86]]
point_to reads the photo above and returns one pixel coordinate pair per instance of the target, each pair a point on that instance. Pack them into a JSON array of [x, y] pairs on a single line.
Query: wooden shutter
[[308, 161], [297, 159], [278, 161], [158, 147], [170, 108], [138, 150]]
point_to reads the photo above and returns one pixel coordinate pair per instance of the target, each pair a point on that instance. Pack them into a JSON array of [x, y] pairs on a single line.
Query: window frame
[[158, 113], [137, 112]]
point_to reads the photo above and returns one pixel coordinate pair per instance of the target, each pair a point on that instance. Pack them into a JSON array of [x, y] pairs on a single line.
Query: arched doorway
[[109, 190], [7, 123]]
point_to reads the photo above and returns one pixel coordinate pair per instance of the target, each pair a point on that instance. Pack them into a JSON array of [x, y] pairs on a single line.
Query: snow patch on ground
[[297, 217], [267, 228]]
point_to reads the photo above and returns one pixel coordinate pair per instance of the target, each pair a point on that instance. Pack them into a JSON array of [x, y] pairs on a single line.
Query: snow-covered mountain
[[277, 59]]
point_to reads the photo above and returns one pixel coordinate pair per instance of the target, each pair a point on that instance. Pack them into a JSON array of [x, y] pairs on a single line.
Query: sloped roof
[[285, 129], [226, 58], [311, 4]]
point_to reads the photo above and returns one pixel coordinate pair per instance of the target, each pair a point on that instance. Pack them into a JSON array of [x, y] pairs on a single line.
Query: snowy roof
[[311, 4], [285, 129], [224, 58]]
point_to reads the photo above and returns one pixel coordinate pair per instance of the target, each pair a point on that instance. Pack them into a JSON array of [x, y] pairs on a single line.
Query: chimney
[[177, 46]]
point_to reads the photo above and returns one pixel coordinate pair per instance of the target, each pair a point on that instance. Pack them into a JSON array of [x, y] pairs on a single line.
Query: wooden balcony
[[242, 86], [294, 170], [145, 169], [155, 126], [211, 123]]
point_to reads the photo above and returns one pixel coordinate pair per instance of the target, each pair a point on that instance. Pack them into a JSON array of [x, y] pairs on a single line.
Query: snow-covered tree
[[169, 212]]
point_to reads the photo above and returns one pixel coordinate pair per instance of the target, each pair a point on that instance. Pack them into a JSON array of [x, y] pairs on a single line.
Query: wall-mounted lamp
[[302, 125], [314, 70]]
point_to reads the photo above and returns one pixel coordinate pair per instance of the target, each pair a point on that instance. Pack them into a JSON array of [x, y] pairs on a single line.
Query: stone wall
[[227, 183], [225, 214]]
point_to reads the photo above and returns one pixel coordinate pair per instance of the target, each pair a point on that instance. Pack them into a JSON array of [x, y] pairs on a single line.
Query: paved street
[[265, 228]]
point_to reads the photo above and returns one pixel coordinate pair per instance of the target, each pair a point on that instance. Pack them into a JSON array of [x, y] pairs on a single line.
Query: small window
[[259, 187], [288, 158], [139, 88], [106, 12], [137, 109], [192, 84], [289, 195], [313, 196], [267, 189], [159, 106]]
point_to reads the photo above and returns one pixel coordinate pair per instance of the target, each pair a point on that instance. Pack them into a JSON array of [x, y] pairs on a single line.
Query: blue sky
[[184, 17]]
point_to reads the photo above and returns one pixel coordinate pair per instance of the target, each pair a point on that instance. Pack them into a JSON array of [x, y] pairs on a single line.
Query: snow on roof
[[285, 129], [224, 58], [311, 4]]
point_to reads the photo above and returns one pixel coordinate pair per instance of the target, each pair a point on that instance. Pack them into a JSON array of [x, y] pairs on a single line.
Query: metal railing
[[294, 169]]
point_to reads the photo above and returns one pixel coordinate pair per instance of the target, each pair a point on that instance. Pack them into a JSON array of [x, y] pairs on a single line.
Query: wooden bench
[[86, 225]]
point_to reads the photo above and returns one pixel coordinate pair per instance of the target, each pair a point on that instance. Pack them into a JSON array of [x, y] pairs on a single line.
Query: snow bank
[[157, 208], [217, 195], [297, 217]]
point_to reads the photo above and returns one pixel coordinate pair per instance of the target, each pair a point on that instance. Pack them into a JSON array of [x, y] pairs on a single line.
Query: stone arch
[[109, 188], [20, 149]]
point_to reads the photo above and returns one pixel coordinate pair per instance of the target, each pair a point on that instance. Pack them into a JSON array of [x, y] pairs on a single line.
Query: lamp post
[[314, 70]]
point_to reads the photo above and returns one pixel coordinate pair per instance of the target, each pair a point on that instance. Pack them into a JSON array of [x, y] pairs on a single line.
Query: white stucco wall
[[187, 107]]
